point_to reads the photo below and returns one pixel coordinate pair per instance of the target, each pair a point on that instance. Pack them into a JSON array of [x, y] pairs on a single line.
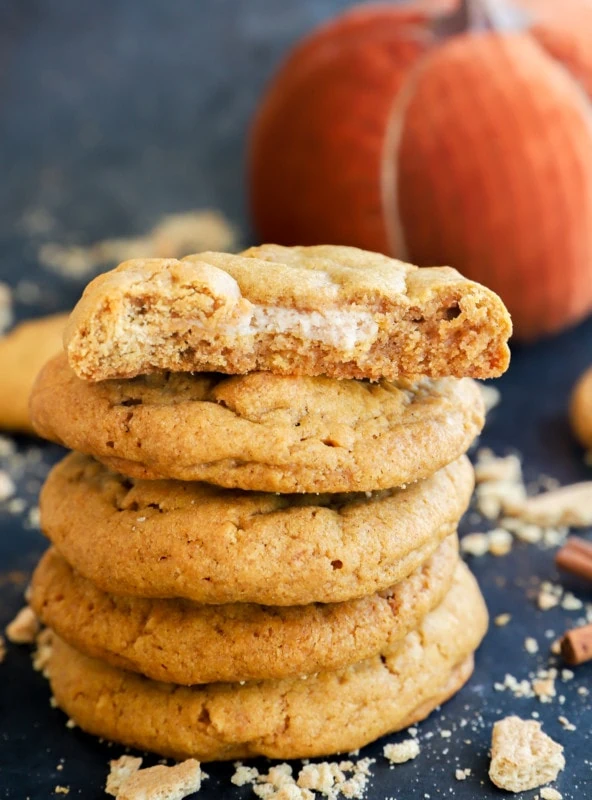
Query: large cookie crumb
[[127, 781], [402, 752], [24, 627], [121, 770], [522, 756]]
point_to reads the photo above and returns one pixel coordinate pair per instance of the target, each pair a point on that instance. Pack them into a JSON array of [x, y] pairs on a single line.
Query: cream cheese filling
[[344, 330]]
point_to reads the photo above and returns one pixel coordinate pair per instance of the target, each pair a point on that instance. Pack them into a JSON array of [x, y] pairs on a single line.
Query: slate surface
[[112, 114]]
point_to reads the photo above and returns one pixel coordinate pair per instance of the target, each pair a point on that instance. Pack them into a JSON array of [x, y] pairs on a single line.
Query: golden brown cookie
[[182, 642], [261, 432], [23, 352], [292, 718], [210, 545], [580, 411], [324, 310]]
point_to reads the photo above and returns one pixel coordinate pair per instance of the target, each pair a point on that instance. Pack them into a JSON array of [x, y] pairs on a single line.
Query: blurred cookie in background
[[580, 412], [23, 351]]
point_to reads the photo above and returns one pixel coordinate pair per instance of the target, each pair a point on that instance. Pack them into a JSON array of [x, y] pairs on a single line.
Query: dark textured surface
[[112, 114]]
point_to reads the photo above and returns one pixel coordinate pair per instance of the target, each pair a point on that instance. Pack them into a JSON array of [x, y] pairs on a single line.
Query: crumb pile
[[263, 562]]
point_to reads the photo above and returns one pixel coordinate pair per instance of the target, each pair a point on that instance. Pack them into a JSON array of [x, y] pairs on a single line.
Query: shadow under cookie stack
[[254, 545]]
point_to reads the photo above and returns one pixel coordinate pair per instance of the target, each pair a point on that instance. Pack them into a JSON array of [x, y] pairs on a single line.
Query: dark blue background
[[113, 113]]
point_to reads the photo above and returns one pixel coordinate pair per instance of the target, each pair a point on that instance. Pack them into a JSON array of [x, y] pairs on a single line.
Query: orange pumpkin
[[406, 129]]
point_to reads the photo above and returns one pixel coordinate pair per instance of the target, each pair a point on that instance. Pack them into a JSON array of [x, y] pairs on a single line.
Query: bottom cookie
[[326, 713]]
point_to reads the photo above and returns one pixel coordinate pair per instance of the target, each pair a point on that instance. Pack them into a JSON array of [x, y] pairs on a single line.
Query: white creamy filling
[[345, 330]]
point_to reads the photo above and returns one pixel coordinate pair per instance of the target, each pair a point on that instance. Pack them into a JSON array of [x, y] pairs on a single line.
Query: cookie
[[580, 411], [181, 642], [210, 545], [261, 432], [334, 311], [23, 352], [292, 718]]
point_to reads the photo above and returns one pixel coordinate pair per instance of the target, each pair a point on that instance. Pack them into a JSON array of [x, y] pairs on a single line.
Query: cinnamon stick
[[576, 645], [576, 557]]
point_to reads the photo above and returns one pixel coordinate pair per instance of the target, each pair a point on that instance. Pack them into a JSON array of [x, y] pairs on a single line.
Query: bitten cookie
[[181, 642], [23, 352], [261, 432], [292, 718], [325, 310], [210, 545]]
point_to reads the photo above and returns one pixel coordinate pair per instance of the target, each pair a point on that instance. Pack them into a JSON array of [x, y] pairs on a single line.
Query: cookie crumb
[[153, 783], [491, 468], [62, 790], [42, 653], [327, 778], [34, 517], [556, 647], [244, 775], [120, 770], [500, 542], [544, 688], [24, 627], [320, 777], [548, 793], [7, 487], [549, 596], [566, 724], [502, 619], [2, 649], [518, 688], [402, 752], [571, 603], [475, 544], [7, 447], [462, 774], [522, 756], [531, 645], [569, 505]]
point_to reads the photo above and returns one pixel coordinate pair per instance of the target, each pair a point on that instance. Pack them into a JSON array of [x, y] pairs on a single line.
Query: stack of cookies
[[254, 546]]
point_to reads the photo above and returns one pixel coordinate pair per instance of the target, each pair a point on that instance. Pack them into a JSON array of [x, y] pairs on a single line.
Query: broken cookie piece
[[522, 756], [24, 627], [126, 781]]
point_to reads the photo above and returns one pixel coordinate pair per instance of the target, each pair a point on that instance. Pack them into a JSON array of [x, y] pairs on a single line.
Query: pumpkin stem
[[477, 16]]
